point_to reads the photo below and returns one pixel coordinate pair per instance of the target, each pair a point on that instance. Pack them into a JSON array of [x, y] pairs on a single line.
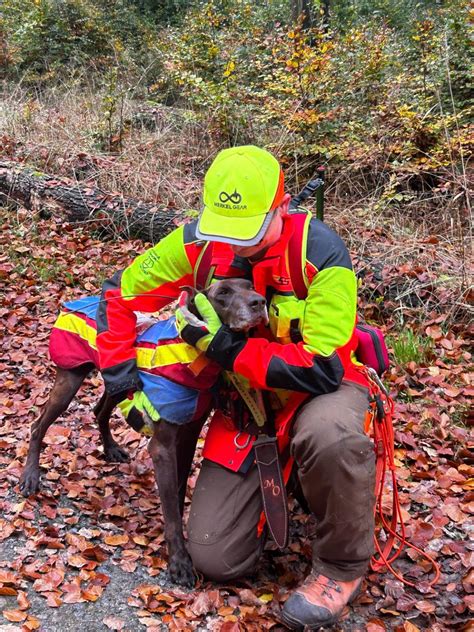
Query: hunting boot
[[318, 602]]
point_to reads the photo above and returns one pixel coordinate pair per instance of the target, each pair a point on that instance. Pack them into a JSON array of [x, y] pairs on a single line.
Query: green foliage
[[110, 131], [408, 347], [398, 15], [386, 88], [212, 61], [369, 91], [48, 38], [163, 11]]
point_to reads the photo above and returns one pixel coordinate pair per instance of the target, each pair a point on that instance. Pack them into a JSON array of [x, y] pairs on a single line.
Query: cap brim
[[238, 231]]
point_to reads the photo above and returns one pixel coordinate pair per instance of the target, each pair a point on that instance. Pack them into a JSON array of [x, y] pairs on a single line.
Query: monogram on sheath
[[273, 488]]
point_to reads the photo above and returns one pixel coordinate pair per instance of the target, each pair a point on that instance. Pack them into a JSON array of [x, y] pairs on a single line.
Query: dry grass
[[162, 158], [65, 133]]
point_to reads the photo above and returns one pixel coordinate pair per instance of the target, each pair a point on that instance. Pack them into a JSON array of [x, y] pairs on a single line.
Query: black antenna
[[316, 185]]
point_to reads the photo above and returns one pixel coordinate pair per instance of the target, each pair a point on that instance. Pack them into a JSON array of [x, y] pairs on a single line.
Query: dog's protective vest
[[165, 362]]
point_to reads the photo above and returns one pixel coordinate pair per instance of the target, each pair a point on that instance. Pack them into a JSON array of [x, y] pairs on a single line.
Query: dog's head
[[236, 303]]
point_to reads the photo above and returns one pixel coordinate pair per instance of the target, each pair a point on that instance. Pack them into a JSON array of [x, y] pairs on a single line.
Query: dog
[[173, 441]]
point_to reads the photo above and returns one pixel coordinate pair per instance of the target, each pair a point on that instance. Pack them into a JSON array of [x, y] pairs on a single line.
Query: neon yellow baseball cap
[[242, 187]]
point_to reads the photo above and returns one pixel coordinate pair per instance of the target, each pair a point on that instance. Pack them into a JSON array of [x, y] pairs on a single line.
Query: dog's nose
[[257, 302]]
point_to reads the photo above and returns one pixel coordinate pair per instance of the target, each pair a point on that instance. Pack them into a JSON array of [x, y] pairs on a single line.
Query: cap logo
[[234, 197]]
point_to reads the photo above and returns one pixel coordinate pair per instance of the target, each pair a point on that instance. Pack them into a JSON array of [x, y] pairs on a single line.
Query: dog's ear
[[191, 305], [192, 291]]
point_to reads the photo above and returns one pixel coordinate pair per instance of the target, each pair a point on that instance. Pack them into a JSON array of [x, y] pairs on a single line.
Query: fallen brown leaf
[[114, 623], [14, 615]]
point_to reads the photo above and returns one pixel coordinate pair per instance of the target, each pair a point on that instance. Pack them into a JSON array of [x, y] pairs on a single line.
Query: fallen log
[[112, 213]]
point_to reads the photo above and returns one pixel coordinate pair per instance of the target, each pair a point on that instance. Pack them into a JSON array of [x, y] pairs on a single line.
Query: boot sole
[[294, 624]]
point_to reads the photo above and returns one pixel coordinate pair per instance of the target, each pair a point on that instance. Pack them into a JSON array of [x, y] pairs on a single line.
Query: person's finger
[[183, 299]]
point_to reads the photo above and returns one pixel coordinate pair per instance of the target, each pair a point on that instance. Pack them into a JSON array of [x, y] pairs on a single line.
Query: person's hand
[[209, 335], [138, 411], [198, 333]]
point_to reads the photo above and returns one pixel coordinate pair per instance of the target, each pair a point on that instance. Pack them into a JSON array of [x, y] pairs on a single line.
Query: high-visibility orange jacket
[[309, 346]]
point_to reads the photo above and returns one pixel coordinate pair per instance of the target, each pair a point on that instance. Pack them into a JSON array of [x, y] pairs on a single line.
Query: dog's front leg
[[186, 447], [162, 448]]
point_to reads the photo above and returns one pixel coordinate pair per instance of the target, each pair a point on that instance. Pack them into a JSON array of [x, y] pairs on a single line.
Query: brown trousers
[[336, 468]]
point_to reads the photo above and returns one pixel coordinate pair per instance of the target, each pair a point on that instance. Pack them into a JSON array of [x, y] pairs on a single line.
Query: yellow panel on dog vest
[[70, 322]]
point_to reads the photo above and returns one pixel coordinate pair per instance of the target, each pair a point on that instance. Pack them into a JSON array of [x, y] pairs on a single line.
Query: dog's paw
[[29, 482], [181, 571], [116, 453]]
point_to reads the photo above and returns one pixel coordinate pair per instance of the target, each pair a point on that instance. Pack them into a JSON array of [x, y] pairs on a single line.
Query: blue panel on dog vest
[[87, 305], [173, 402], [162, 330]]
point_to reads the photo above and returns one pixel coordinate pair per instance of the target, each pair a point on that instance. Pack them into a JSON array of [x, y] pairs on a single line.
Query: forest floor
[[87, 553]]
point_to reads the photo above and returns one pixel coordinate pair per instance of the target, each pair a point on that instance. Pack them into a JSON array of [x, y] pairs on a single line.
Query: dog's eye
[[223, 292]]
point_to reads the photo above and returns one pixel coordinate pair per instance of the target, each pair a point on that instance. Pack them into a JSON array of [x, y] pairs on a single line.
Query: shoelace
[[328, 585]]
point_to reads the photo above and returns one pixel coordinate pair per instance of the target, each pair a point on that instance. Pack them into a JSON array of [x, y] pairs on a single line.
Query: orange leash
[[382, 427]]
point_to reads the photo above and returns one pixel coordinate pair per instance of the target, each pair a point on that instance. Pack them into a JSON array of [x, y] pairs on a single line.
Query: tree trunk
[[326, 15], [299, 7], [111, 212]]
